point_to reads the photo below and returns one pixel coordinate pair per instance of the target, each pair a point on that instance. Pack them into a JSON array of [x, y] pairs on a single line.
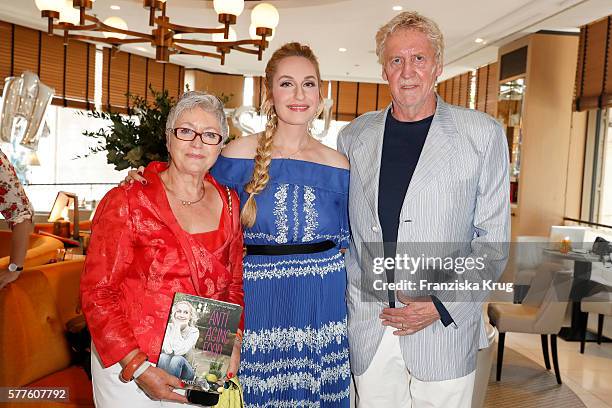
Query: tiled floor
[[589, 375]]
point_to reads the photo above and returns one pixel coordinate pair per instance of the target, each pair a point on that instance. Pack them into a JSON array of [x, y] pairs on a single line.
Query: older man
[[422, 171]]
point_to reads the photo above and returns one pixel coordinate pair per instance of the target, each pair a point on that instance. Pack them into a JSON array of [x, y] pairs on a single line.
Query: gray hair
[[198, 99], [411, 20]]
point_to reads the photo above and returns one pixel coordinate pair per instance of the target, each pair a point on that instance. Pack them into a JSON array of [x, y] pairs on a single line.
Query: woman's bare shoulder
[[331, 157], [243, 147]]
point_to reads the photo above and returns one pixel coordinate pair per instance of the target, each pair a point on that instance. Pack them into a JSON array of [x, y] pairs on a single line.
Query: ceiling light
[[478, 40], [265, 15], [50, 5], [142, 49], [342, 49], [397, 8], [68, 14], [233, 7], [264, 19], [253, 33], [115, 22]]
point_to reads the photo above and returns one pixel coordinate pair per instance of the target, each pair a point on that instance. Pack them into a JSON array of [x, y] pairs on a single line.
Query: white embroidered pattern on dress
[[296, 218], [264, 341], [294, 380], [293, 267], [295, 363], [280, 213], [310, 213]]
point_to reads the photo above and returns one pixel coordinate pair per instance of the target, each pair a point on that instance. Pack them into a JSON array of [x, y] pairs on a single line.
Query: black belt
[[289, 249]]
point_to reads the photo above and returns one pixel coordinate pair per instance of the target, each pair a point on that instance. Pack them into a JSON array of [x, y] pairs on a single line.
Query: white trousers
[[388, 383], [110, 392]]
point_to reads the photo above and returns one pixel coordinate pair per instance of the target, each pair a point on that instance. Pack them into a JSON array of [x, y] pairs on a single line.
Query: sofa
[[34, 351], [40, 250]]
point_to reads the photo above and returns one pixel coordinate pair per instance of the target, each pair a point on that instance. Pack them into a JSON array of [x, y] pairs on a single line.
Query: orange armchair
[[40, 251], [34, 351]]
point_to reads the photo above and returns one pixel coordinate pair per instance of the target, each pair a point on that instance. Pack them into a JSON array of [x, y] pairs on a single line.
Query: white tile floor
[[589, 375]]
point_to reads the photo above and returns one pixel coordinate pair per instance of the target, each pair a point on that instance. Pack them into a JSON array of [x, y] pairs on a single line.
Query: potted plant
[[137, 138]]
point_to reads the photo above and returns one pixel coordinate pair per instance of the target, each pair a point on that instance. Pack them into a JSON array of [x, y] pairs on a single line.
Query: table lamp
[[60, 216]]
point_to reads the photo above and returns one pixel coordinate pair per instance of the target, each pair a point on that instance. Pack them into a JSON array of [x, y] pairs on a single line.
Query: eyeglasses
[[188, 135]]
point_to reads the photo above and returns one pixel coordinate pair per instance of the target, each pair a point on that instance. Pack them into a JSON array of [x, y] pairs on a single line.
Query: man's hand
[[415, 316], [7, 277]]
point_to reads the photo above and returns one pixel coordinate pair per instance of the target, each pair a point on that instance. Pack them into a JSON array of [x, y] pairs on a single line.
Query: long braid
[[261, 175]]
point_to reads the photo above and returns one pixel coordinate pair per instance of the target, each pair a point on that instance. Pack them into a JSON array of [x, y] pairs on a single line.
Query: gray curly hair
[[198, 99], [411, 20]]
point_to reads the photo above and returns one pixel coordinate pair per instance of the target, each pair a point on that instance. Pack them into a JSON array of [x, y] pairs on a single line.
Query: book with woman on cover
[[199, 341]]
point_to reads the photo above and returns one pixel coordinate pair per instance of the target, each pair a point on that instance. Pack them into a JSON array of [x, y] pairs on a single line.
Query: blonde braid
[[261, 175]]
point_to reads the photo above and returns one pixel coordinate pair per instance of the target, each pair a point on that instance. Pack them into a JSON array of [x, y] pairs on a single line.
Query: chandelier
[[71, 17]]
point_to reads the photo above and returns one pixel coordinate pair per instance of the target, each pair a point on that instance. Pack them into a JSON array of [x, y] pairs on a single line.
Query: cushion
[[32, 340], [509, 317]]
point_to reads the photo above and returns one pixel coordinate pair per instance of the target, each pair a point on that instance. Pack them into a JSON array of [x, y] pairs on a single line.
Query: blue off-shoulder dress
[[295, 347]]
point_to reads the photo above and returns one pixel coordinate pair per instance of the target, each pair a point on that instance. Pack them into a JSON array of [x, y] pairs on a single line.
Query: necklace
[[185, 203], [288, 156]]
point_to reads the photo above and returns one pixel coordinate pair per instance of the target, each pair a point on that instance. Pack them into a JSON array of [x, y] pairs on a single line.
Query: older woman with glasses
[[178, 232]]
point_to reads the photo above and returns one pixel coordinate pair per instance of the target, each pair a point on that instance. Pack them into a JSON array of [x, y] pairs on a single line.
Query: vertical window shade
[[456, 90], [138, 76], [223, 86], [258, 92], [155, 77], [367, 98], [455, 85], [492, 89], [6, 40], [487, 84], [594, 74], [173, 80], [25, 53], [324, 88], [384, 96], [441, 89], [52, 63], [124, 73], [79, 75], [464, 89], [115, 74], [346, 108], [69, 69]]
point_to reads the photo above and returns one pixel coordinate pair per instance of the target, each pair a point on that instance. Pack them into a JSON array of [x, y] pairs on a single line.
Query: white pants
[[388, 383], [109, 391]]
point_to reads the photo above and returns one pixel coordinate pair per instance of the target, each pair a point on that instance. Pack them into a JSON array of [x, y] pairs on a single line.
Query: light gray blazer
[[459, 192]]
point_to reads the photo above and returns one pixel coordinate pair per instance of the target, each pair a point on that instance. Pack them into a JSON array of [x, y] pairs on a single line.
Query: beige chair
[[527, 255], [542, 312], [600, 303]]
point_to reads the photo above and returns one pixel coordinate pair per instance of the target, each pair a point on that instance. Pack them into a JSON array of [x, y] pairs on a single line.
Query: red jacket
[[139, 256]]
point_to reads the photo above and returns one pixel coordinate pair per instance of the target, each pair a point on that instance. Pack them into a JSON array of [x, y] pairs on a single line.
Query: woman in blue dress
[[294, 192]]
